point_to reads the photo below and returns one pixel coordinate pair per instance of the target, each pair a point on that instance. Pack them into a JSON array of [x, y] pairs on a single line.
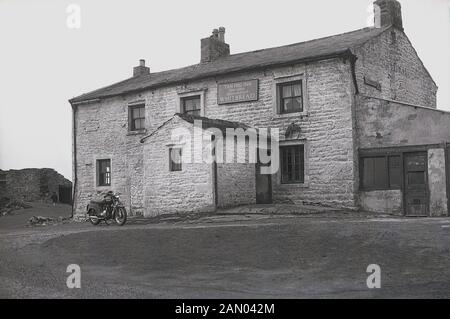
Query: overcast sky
[[43, 63]]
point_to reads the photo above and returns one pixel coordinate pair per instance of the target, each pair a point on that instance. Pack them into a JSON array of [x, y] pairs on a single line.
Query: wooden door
[[416, 184]]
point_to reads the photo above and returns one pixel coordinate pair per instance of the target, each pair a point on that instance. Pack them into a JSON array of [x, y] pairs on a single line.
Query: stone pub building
[[356, 112]]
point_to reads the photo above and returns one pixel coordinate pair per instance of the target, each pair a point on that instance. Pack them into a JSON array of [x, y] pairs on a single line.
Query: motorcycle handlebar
[[110, 193]]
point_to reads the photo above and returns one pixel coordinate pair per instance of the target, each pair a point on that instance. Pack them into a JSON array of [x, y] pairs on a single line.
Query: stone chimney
[[141, 69], [214, 47], [388, 13]]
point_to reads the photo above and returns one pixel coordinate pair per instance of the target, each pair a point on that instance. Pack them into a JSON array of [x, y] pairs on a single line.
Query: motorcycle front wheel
[[120, 216]]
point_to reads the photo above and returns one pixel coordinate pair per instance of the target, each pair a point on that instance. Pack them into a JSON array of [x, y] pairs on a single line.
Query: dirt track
[[228, 257]]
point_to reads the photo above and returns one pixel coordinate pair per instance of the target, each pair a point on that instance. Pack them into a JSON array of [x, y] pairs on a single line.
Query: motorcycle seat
[[98, 202]]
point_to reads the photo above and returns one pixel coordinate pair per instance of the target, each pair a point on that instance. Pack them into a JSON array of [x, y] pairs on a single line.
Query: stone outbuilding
[[33, 184], [355, 113], [205, 181]]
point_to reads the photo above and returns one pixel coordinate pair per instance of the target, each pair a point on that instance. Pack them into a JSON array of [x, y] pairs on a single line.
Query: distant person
[[54, 198]]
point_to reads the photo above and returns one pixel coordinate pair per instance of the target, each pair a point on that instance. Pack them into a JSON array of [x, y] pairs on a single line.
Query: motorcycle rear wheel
[[93, 217], [120, 216]]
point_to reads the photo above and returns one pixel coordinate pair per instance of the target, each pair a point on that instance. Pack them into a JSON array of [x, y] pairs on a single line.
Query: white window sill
[[293, 185], [102, 188], [140, 132], [293, 114]]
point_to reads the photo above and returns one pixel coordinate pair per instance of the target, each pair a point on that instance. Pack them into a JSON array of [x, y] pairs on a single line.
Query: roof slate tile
[[310, 50]]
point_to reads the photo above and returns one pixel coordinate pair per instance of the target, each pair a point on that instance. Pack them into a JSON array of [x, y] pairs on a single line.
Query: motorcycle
[[107, 210]]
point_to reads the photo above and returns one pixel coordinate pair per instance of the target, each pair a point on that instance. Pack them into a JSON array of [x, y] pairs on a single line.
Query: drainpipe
[[356, 198], [353, 59], [214, 172], [74, 156], [447, 171]]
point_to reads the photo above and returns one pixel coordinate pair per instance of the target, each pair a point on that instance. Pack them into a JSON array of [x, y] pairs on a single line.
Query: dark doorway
[[263, 184], [65, 194], [416, 184]]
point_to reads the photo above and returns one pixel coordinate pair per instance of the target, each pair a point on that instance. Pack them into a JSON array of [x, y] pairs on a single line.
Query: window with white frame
[[191, 105], [104, 172], [175, 159], [292, 162], [290, 97], [136, 117]]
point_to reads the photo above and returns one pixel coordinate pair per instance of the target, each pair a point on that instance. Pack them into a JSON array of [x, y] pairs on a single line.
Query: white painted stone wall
[[326, 125], [165, 191], [391, 60], [384, 201], [437, 182]]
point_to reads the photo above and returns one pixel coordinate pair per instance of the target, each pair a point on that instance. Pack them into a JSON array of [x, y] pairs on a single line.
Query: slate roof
[[318, 49], [206, 123]]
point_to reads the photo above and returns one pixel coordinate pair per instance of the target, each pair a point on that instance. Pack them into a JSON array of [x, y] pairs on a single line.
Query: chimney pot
[[214, 46], [222, 34], [141, 62]]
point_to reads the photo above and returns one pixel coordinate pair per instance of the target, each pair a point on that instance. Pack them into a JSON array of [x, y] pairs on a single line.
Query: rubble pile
[[43, 221], [8, 206]]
